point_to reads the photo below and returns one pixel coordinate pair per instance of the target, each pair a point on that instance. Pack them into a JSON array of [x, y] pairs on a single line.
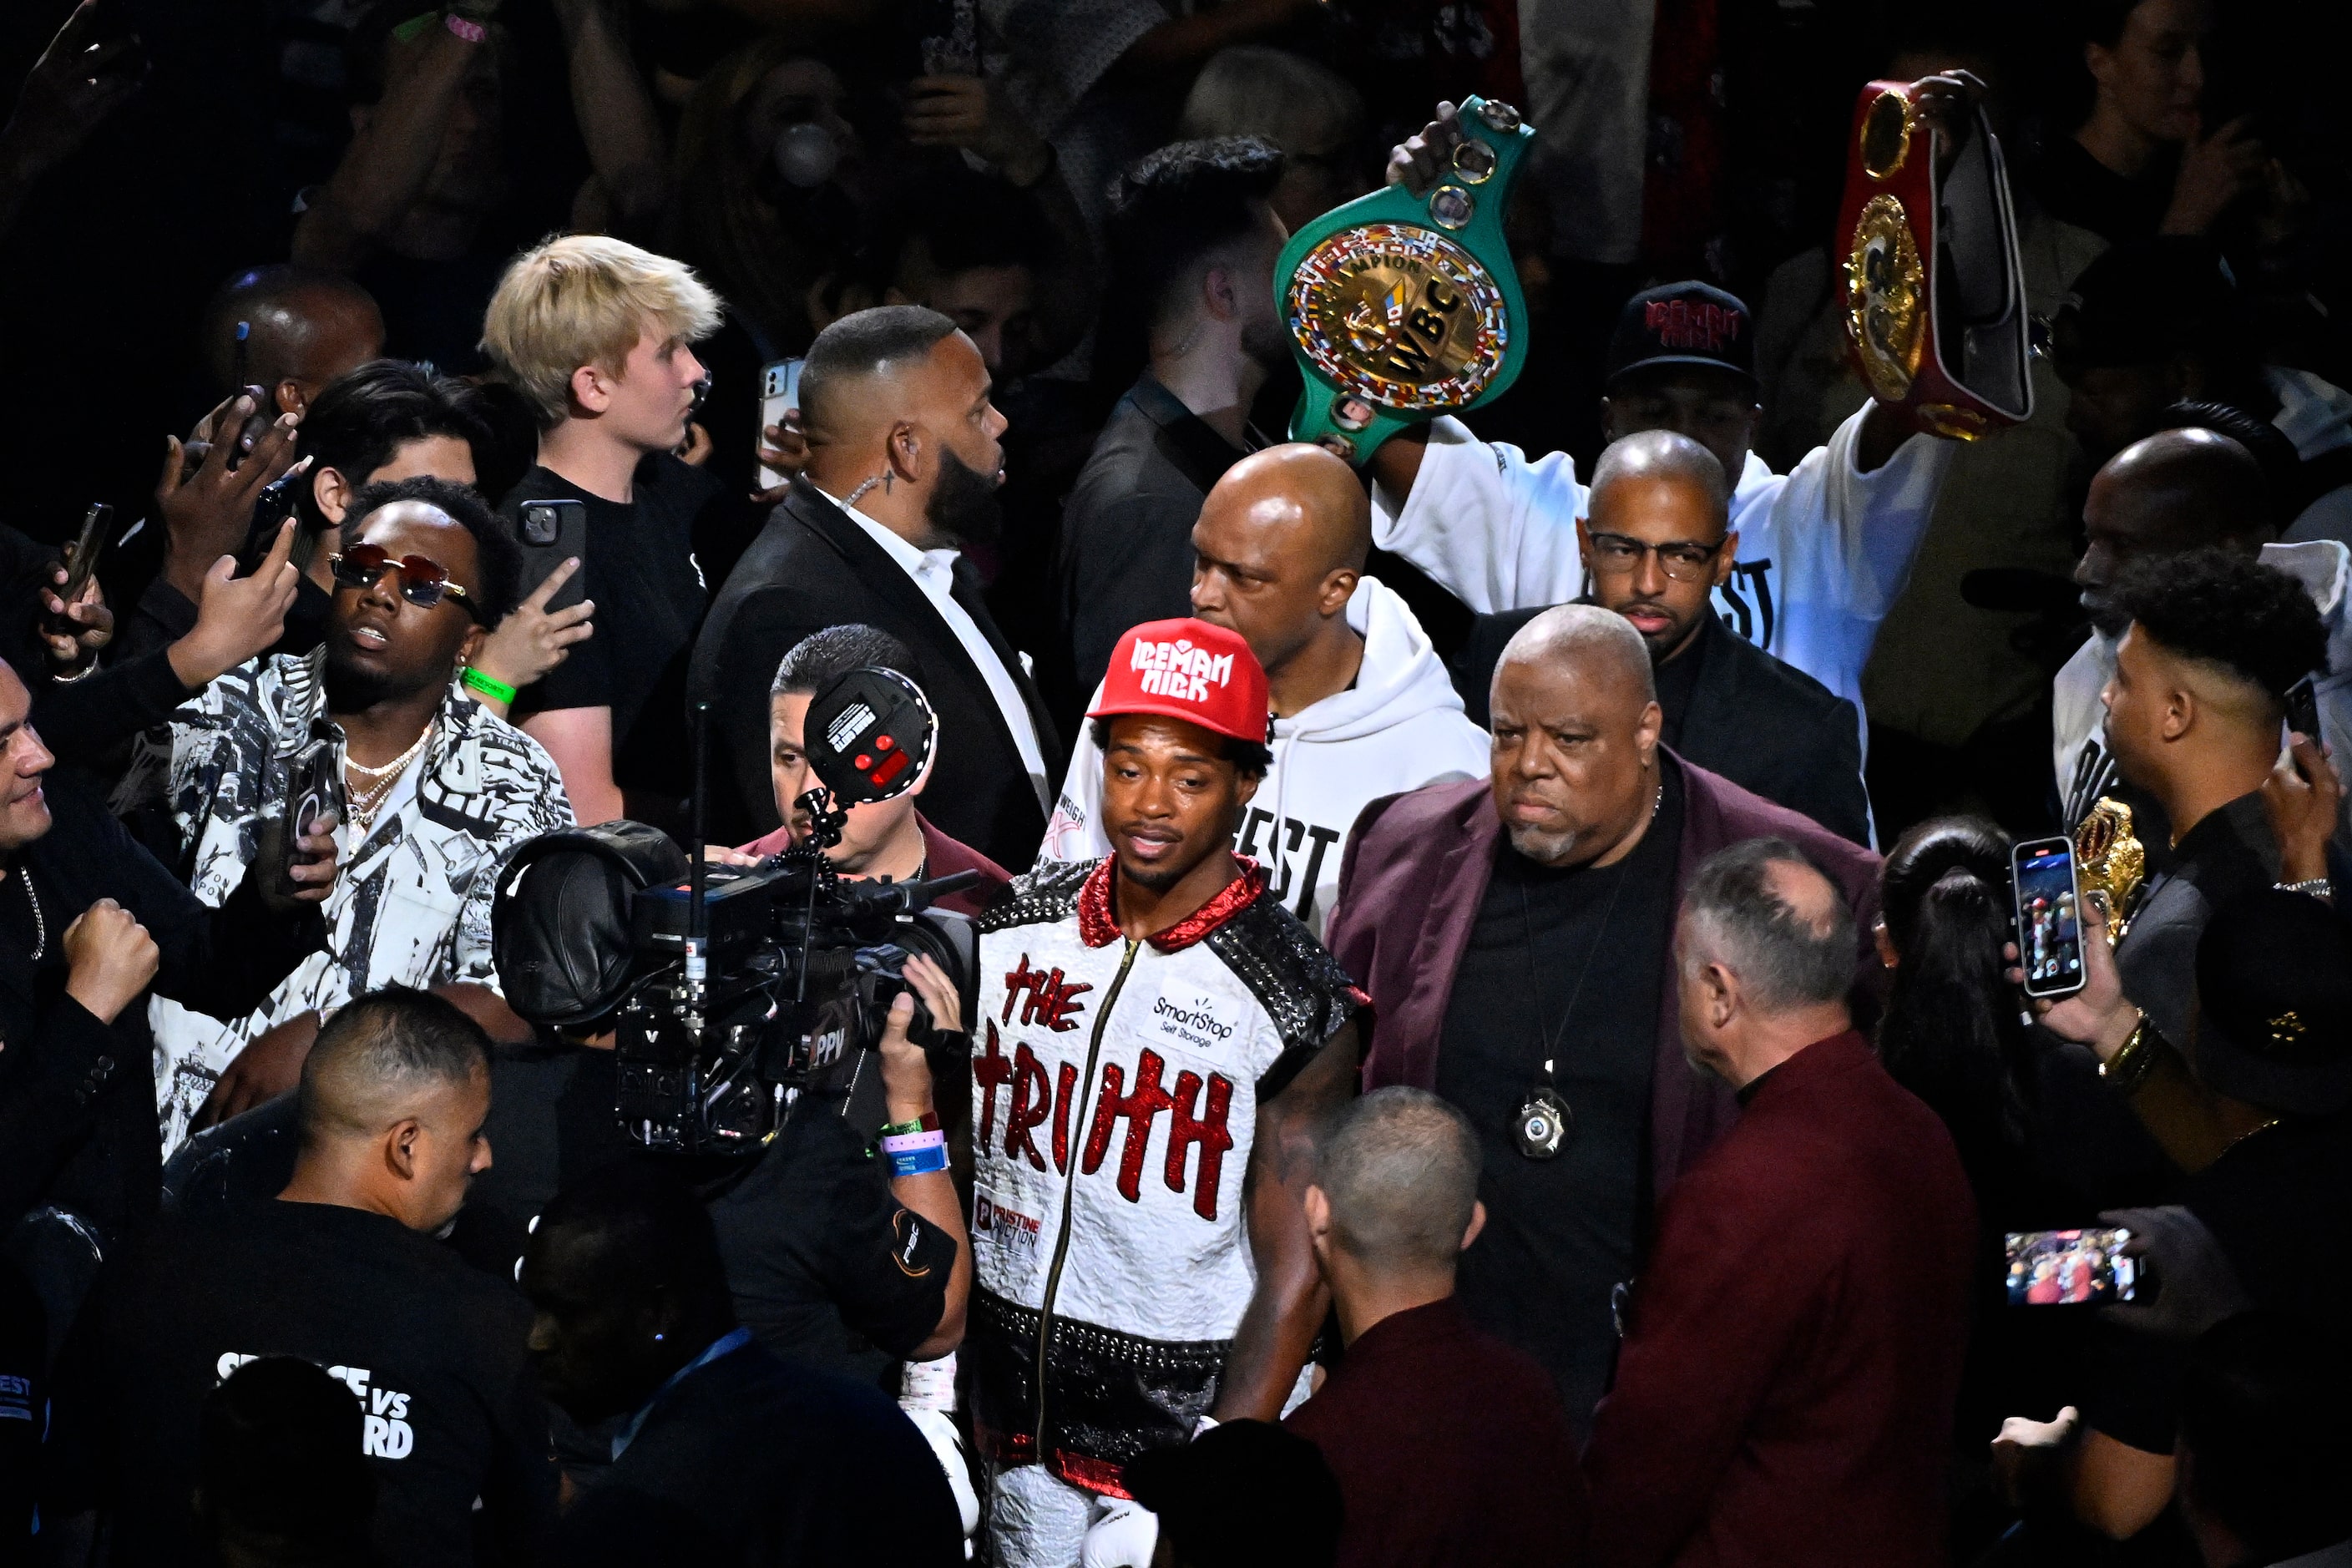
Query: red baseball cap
[[1191, 670]]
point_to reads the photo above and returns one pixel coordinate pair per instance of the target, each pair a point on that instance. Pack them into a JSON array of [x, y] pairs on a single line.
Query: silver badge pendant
[[1543, 1125]]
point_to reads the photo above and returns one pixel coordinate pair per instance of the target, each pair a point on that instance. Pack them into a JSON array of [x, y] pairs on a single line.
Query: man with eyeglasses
[[1823, 549], [1656, 544], [439, 791]]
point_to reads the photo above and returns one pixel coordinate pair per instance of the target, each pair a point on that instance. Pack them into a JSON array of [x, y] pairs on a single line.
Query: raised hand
[[237, 618], [2215, 170], [1418, 161], [207, 513], [783, 450], [110, 959], [532, 639], [75, 632]]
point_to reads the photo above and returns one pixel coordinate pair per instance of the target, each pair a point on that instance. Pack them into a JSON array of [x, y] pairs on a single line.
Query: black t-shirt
[[650, 598], [826, 1266], [1560, 1233], [2077, 188], [435, 1352]]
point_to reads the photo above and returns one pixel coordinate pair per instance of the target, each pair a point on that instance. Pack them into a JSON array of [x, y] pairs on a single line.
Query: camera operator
[[88, 920], [882, 838]]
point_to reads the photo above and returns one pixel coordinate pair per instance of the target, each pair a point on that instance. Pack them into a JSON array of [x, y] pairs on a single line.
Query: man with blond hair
[[598, 337]]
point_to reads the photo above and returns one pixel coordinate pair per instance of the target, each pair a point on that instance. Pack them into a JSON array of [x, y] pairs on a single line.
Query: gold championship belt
[[2112, 862], [1401, 308], [1934, 295]]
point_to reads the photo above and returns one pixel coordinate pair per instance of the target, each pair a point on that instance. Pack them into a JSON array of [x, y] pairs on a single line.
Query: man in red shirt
[[1792, 1347], [885, 839], [1450, 1447]]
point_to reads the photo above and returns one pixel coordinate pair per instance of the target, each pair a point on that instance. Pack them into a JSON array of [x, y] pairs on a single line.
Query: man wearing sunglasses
[[1655, 544], [437, 790]]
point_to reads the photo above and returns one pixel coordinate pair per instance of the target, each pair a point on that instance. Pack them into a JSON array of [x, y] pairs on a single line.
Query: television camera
[[738, 997]]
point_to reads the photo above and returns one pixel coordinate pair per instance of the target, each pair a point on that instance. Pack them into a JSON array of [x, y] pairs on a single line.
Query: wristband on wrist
[[408, 32], [929, 1121], [473, 32], [915, 1153], [475, 681], [2320, 888]]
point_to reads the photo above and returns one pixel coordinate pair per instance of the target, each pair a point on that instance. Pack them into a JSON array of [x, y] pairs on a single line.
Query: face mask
[[805, 155]]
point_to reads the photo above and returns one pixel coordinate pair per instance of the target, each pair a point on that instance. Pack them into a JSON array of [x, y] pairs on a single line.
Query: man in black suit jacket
[[1655, 544], [904, 463]]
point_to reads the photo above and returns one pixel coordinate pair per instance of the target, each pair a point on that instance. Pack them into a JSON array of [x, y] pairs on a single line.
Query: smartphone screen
[[2071, 1267], [780, 389], [2303, 708], [2048, 916]]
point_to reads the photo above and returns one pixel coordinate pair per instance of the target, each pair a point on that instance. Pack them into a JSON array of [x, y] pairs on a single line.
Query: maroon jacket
[[1450, 1448], [943, 856], [1416, 870], [1792, 1350]]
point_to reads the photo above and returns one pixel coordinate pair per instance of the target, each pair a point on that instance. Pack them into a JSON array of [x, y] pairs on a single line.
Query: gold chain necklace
[[366, 802]]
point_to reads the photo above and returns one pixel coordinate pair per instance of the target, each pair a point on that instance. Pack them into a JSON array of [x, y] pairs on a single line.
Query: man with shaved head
[[344, 1270], [905, 458], [2176, 492], [1513, 936], [1449, 1445], [1656, 542], [289, 331], [1361, 706], [1792, 1347]]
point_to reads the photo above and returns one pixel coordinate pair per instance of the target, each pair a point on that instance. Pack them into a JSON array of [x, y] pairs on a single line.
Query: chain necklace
[[366, 802], [1545, 1120], [41, 923]]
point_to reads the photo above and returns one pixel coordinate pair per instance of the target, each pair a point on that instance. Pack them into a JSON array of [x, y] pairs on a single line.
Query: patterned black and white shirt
[[413, 904]]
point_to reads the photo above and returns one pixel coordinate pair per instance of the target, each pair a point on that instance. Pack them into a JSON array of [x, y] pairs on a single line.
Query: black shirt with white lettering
[[1561, 1232], [435, 1352]]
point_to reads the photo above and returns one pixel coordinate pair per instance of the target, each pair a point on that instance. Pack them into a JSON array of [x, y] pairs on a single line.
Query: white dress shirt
[[934, 572]]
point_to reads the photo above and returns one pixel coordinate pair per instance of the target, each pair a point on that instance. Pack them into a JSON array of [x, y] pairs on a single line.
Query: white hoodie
[[1399, 727], [1824, 551], [2077, 726]]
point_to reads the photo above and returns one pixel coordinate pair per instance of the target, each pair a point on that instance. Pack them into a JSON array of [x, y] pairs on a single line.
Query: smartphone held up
[[2071, 1267], [2048, 916]]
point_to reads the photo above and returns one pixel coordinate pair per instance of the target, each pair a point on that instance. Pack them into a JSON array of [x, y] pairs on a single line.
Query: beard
[[964, 505], [1264, 341], [353, 688]]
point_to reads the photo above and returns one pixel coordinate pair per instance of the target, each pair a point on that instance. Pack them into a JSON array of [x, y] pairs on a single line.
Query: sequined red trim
[[1011, 1449], [1097, 929], [1095, 1475]]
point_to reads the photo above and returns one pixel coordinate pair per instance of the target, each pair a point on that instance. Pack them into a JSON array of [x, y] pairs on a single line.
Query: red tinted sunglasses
[[423, 580]]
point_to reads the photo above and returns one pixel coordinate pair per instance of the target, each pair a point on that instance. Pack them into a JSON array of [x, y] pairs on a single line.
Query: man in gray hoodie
[[1362, 706]]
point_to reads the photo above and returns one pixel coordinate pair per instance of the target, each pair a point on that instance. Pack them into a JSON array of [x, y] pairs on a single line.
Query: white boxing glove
[[1126, 1536], [927, 1396]]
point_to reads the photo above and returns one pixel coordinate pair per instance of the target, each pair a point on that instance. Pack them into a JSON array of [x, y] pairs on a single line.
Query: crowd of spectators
[[1496, 1018]]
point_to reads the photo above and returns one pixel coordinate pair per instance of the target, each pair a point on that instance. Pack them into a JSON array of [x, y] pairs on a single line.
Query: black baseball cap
[[2274, 990], [1683, 323], [1243, 1495]]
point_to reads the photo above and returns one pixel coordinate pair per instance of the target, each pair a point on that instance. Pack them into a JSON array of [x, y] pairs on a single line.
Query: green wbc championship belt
[[1401, 307]]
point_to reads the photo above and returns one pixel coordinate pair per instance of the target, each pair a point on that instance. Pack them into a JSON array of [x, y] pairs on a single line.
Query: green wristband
[[408, 32], [487, 684]]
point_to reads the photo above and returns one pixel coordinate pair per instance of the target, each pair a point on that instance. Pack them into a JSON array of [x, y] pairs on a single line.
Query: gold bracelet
[[2129, 1066]]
